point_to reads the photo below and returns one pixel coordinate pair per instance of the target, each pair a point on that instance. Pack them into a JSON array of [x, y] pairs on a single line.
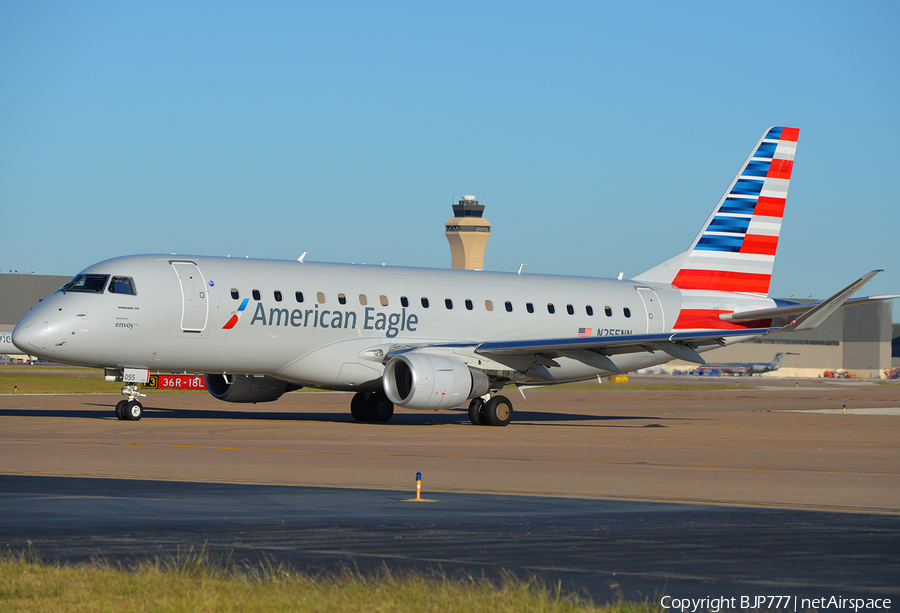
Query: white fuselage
[[319, 324]]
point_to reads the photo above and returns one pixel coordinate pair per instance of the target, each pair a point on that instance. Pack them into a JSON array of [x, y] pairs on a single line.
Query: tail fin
[[735, 249]]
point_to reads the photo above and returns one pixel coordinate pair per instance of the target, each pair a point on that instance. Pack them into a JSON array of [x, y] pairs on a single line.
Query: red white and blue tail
[[735, 249]]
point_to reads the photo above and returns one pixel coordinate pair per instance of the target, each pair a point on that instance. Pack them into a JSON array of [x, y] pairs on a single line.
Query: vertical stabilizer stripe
[[760, 245], [770, 207], [780, 169], [722, 280], [790, 134]]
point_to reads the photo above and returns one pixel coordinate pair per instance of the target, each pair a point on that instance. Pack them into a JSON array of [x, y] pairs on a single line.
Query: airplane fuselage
[[312, 323]]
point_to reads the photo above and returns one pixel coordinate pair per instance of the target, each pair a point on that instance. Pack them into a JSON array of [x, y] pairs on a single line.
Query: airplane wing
[[595, 351]]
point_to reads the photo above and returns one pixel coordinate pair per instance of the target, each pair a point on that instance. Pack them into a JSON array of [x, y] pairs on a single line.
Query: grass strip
[[194, 583]]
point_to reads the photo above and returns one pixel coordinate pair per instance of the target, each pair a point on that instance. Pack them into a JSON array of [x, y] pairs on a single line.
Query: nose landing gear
[[130, 409]]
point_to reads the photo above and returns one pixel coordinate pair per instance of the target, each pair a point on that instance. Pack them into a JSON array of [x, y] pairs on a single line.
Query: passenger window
[[551, 309], [570, 309], [424, 303], [256, 294], [363, 300], [122, 285], [627, 312], [589, 310], [608, 311], [383, 300], [298, 296], [235, 294], [448, 303], [404, 302], [320, 297], [529, 307], [469, 305], [277, 296], [508, 305], [342, 299], [91, 284], [488, 305]]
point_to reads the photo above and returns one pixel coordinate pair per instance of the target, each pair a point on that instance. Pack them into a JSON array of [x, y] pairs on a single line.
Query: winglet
[[817, 315]]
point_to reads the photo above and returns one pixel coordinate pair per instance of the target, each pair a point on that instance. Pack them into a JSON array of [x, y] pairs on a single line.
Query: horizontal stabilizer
[[816, 315], [796, 309]]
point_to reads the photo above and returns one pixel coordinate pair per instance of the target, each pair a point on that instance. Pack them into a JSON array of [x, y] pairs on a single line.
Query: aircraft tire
[[476, 411], [498, 411], [359, 409], [379, 408], [133, 410], [120, 409]]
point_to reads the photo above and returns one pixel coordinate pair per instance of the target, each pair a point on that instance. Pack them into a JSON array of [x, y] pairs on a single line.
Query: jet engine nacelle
[[421, 381], [246, 388]]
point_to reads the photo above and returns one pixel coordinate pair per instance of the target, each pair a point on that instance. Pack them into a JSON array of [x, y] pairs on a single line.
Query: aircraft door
[[195, 302], [655, 318]]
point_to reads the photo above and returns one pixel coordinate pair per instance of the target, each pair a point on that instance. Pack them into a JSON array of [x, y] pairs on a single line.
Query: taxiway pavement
[[694, 489]]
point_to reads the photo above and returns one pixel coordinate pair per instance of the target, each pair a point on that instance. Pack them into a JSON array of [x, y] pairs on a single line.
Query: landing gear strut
[[371, 406], [495, 411], [130, 409]]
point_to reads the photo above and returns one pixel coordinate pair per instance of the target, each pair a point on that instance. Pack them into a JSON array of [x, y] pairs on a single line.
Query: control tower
[[468, 233]]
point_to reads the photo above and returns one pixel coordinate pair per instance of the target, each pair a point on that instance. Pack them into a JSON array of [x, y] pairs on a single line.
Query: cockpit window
[[122, 285], [92, 284]]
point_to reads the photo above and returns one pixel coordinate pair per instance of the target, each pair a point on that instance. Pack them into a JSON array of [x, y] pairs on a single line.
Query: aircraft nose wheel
[[133, 410]]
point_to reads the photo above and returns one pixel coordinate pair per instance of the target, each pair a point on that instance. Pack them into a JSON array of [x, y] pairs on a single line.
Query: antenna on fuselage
[[621, 276], [521, 266], [300, 259]]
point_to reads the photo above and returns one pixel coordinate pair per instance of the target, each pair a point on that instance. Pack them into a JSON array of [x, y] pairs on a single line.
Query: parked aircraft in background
[[743, 369], [420, 338]]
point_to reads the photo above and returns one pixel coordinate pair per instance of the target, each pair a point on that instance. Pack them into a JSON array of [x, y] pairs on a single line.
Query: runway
[[687, 492]]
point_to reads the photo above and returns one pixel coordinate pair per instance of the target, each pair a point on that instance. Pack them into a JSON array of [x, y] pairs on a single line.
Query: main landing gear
[[495, 411], [371, 406], [375, 407], [130, 409]]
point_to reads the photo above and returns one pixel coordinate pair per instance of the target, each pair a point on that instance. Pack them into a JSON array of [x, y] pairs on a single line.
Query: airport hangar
[[859, 339]]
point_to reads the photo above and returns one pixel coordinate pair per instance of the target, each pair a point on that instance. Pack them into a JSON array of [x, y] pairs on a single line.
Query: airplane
[[424, 338], [742, 369]]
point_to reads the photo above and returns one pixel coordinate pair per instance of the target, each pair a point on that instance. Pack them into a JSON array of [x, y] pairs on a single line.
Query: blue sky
[[599, 135]]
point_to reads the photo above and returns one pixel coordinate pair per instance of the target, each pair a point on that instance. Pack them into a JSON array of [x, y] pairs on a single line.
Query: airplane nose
[[30, 335]]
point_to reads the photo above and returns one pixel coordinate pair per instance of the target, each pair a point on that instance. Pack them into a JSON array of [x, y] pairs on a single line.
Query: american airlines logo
[[236, 315], [391, 323]]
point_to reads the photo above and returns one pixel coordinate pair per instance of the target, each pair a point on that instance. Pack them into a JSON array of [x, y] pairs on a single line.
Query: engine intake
[[247, 388], [421, 381]]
